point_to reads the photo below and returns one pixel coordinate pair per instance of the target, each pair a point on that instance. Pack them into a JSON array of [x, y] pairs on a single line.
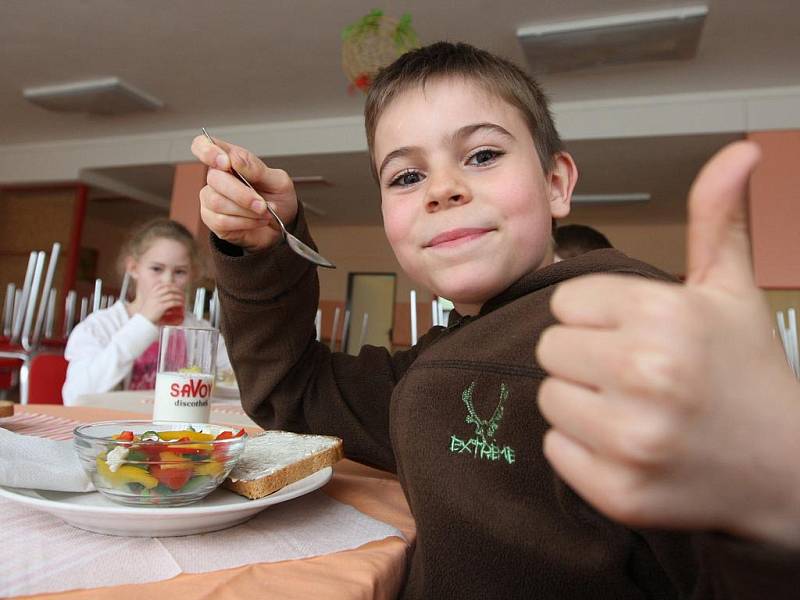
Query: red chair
[[9, 375], [46, 376], [9, 367], [12, 369], [22, 332]]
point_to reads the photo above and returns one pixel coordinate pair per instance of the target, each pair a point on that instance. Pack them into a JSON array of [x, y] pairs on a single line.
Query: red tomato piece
[[153, 451], [173, 478]]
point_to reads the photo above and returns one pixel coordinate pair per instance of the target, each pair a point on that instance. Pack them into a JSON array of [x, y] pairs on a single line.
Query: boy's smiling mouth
[[454, 237]]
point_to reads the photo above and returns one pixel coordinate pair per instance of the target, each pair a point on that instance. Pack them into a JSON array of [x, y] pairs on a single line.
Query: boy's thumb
[[718, 237]]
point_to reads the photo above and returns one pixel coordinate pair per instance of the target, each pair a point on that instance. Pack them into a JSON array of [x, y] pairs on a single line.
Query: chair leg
[[23, 381]]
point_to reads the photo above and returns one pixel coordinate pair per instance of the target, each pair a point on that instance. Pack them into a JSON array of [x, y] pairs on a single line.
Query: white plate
[[219, 510]]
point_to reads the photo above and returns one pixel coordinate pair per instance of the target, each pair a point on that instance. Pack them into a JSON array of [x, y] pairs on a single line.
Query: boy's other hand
[[672, 406], [232, 210]]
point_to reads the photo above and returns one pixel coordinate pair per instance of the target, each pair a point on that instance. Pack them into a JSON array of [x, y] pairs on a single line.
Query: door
[[370, 303]]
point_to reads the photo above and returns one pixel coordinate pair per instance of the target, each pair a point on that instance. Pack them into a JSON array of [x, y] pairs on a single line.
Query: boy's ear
[[561, 181]]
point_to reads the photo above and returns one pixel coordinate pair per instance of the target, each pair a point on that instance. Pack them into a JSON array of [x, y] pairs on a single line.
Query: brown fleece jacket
[[456, 418]]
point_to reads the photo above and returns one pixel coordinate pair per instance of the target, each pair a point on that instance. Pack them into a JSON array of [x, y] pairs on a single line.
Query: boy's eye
[[484, 156], [406, 178], [155, 269]]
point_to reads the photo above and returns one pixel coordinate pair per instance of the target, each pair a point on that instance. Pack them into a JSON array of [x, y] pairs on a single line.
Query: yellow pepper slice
[[195, 436], [212, 468], [125, 474], [170, 460], [186, 447]]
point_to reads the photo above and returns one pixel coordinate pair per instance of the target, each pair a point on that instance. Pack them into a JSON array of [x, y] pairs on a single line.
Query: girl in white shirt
[[118, 346]]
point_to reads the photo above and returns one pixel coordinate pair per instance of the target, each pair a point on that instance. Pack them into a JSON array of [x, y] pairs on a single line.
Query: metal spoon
[[295, 244]]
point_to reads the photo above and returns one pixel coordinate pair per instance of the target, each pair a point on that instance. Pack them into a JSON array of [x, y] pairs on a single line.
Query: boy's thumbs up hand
[[719, 240], [673, 406]]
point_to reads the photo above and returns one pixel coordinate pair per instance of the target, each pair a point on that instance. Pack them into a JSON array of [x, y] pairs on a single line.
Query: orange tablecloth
[[375, 570]]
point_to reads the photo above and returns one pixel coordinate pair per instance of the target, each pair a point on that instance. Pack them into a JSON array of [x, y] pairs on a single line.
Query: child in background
[[119, 345], [471, 172]]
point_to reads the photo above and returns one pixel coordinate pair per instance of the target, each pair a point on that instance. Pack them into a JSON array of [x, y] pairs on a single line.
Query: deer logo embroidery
[[482, 445]]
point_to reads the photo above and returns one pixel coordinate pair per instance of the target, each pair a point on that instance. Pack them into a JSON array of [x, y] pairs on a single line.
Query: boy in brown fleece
[[655, 420]]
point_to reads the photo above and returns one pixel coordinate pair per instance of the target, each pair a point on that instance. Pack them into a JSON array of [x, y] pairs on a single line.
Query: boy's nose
[[168, 276], [446, 192]]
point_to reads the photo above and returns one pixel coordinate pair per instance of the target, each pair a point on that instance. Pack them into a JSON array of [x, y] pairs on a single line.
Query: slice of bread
[[6, 408], [274, 459]]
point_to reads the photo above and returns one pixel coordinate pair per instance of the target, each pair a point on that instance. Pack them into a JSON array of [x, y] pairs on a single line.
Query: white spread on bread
[[273, 450]]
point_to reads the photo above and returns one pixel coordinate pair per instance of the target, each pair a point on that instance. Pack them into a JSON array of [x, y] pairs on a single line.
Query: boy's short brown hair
[[497, 75]]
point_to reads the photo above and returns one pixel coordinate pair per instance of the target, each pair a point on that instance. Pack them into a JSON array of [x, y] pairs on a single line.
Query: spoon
[[295, 244]]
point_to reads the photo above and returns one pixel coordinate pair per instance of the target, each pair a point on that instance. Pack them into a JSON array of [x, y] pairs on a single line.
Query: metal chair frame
[[26, 326]]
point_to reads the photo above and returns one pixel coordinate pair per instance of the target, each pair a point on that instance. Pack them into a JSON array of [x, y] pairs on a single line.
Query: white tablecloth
[[41, 554]]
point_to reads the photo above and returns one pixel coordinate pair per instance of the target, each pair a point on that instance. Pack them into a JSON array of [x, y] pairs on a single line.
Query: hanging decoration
[[373, 42]]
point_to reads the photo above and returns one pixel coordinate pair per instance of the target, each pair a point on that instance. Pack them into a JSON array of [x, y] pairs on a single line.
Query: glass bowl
[[157, 463]]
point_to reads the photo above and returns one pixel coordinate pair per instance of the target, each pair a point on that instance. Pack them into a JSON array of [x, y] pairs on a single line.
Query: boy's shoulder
[[610, 260], [535, 288]]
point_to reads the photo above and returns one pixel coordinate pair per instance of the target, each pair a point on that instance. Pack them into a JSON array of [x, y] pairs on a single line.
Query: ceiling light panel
[[612, 40], [108, 96]]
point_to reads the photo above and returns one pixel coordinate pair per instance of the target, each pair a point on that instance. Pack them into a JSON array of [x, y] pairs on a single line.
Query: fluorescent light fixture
[[310, 179], [671, 14], [670, 34], [609, 198], [108, 96]]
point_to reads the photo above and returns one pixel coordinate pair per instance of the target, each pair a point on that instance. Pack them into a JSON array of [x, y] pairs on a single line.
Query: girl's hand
[[232, 210], [163, 296], [673, 406]]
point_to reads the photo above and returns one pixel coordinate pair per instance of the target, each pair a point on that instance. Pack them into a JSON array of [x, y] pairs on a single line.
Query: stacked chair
[[30, 355]]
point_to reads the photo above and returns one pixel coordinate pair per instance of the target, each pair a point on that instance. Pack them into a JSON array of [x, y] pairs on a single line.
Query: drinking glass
[[173, 315], [187, 359]]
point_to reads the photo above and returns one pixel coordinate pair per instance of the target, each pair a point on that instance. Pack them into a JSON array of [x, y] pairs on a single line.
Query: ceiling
[[254, 61]]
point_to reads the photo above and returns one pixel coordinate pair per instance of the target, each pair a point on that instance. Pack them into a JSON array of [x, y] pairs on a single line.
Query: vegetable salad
[[164, 463]]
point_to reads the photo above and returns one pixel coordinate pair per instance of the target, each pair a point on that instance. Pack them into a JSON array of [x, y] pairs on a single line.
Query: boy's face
[[466, 205]]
